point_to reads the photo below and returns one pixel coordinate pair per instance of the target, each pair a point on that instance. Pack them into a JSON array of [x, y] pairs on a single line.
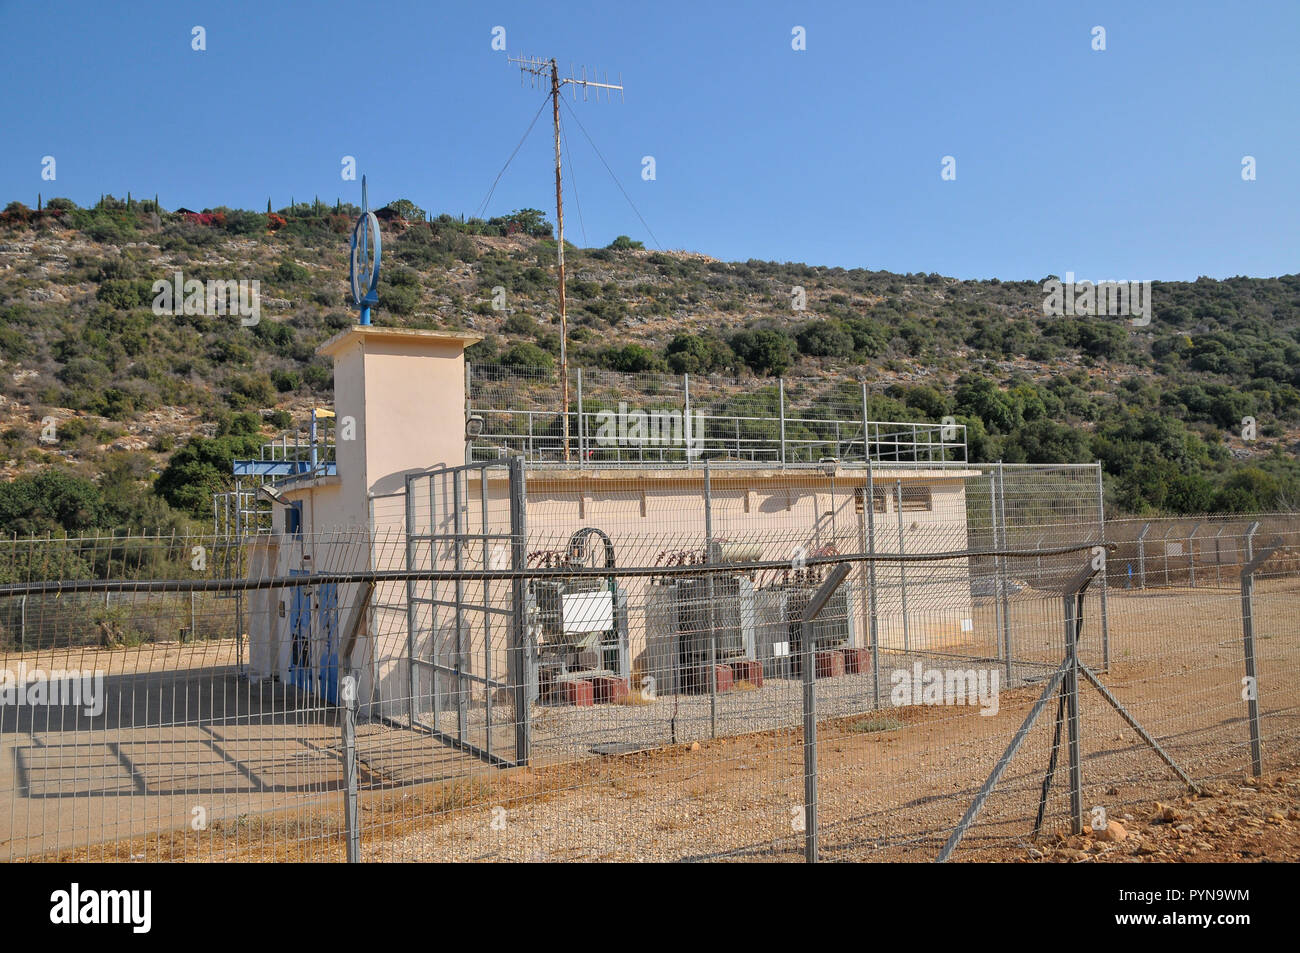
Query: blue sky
[[1122, 164]]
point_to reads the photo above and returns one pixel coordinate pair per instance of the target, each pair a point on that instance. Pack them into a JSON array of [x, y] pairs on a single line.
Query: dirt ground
[[892, 784], [1239, 821]]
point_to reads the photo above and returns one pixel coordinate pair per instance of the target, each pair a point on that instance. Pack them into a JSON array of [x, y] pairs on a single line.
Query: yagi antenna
[[538, 69]]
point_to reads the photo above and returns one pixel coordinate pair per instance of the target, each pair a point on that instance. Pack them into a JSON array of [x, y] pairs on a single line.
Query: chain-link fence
[[514, 664]]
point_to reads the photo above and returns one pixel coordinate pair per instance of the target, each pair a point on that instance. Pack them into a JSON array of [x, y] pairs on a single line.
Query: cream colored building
[[397, 500]]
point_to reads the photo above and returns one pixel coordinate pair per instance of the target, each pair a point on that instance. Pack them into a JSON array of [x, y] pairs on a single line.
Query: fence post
[[808, 676], [686, 391], [582, 448], [1191, 553], [521, 671], [22, 625], [866, 454], [351, 815], [870, 504], [1070, 686], [902, 565], [462, 654], [1218, 558], [1142, 556], [780, 384], [1105, 572], [709, 609], [412, 616], [1251, 690], [1001, 517]]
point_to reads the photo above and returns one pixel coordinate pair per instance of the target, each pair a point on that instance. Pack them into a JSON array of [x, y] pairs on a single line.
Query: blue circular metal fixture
[[364, 261]]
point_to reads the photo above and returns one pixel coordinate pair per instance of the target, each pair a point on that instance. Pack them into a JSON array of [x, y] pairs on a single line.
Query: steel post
[[1250, 690], [781, 409], [1002, 576], [351, 814], [808, 677], [709, 608], [521, 671], [902, 566], [870, 504], [1071, 689], [1142, 556], [1101, 528]]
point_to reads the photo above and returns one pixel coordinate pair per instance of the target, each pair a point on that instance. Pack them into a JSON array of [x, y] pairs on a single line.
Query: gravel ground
[[892, 783]]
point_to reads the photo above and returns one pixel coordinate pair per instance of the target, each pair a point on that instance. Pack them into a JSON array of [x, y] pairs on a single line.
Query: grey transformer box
[[683, 615], [578, 625]]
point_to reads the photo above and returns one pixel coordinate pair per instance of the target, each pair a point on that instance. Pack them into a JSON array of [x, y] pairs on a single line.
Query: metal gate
[[466, 646]]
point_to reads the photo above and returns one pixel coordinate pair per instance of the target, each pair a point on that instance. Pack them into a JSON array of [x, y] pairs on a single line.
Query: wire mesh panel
[[460, 634], [139, 721], [539, 663]]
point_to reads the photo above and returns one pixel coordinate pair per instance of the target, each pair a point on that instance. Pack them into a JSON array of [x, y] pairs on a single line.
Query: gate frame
[[517, 680]]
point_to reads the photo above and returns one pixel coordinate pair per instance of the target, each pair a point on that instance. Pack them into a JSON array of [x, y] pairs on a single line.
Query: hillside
[[146, 408]]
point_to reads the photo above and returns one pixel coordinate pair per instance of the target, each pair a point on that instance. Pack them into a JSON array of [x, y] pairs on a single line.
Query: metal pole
[[22, 625], [1038, 546], [871, 587], [521, 649], [469, 404], [1071, 689], [1251, 691], [412, 616], [709, 610], [993, 525], [686, 421], [1252, 684], [239, 566], [1191, 553], [1105, 573], [582, 451], [865, 454], [808, 677], [781, 409], [1218, 558], [902, 566], [351, 814], [458, 524], [1142, 556], [1002, 576]]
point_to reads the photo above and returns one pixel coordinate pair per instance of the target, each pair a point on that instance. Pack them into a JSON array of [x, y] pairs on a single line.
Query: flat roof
[[417, 335]]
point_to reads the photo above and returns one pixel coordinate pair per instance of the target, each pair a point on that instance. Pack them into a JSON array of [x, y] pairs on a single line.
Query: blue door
[[301, 672], [328, 625]]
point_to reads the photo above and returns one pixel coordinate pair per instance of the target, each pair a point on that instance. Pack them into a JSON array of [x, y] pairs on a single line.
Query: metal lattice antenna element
[[537, 68]]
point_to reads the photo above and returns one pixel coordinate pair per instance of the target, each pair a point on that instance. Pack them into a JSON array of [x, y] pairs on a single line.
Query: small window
[[877, 499], [916, 498]]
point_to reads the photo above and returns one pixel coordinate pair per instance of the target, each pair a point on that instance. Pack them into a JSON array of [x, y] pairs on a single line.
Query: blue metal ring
[[362, 264]]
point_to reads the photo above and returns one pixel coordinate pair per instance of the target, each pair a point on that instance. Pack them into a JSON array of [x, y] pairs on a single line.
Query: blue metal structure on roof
[[363, 263]]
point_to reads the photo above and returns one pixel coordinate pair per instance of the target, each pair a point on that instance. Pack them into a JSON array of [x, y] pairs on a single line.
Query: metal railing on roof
[[655, 420]]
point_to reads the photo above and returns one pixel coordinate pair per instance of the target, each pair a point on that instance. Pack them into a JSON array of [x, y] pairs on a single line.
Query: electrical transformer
[[579, 622], [779, 626], [684, 615]]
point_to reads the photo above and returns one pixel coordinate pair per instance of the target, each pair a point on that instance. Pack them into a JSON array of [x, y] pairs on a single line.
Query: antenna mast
[[537, 68]]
